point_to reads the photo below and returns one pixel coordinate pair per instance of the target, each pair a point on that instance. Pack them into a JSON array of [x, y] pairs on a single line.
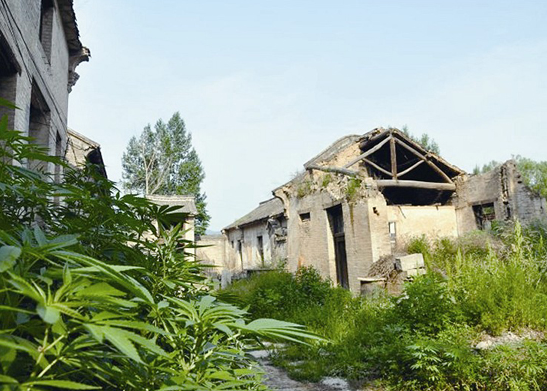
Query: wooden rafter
[[411, 168], [337, 170], [425, 159], [393, 153], [376, 166], [368, 153]]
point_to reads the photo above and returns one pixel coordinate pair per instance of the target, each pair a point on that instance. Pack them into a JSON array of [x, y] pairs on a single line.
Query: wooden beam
[[411, 168], [377, 166], [393, 153], [425, 158], [415, 184], [337, 170], [367, 153], [376, 137]]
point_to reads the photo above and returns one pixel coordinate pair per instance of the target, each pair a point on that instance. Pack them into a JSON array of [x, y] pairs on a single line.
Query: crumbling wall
[[528, 204], [248, 238], [310, 240], [503, 187]]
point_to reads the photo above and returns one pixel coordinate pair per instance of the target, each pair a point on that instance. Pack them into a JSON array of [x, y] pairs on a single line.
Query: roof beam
[[376, 166], [415, 184], [425, 159], [368, 153], [337, 170], [411, 168], [393, 153]]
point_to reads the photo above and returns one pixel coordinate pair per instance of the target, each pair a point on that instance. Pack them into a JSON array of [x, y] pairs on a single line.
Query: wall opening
[[39, 125], [47, 11], [8, 79], [484, 215], [336, 222], [260, 248]]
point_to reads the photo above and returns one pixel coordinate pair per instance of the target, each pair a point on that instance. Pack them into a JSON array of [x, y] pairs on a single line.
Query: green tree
[[163, 161], [534, 174], [424, 140]]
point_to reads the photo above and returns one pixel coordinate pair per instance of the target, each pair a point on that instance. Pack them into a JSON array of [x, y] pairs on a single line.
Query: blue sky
[[265, 85]]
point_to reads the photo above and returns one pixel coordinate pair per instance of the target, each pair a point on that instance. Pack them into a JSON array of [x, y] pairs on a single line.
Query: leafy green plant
[[95, 295]]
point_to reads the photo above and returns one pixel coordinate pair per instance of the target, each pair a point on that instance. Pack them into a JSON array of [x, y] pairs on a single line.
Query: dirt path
[[278, 380]]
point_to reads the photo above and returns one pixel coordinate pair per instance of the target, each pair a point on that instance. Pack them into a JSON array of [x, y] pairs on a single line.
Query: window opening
[[46, 26], [484, 215], [305, 217], [260, 246]]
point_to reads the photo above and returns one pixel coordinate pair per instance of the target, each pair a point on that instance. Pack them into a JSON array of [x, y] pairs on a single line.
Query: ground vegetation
[[95, 294], [475, 321]]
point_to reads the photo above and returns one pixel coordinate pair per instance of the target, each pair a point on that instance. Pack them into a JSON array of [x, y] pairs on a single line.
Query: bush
[[94, 295]]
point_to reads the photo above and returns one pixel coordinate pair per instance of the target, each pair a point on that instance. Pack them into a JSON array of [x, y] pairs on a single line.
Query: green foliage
[[163, 161], [426, 305], [94, 295], [428, 143], [534, 174], [327, 179], [304, 188], [352, 188], [424, 338], [486, 167]]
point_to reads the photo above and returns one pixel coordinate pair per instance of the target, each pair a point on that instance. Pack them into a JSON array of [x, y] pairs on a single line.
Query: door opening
[[336, 220]]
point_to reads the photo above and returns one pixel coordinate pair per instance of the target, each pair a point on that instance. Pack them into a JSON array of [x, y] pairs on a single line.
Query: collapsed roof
[[398, 164]]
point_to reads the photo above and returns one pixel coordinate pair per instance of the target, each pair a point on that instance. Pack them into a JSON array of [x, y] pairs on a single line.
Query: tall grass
[[425, 338]]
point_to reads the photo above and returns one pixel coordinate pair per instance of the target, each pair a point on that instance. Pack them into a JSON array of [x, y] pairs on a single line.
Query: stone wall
[[249, 257], [43, 68], [503, 187]]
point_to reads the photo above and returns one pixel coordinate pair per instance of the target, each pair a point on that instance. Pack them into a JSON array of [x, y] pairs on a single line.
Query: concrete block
[[409, 262]]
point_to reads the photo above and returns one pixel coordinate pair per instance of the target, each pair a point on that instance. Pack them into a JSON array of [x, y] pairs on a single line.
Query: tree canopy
[[424, 140], [163, 161]]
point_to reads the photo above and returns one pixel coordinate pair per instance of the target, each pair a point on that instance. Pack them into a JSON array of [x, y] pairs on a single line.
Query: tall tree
[[424, 140], [163, 161]]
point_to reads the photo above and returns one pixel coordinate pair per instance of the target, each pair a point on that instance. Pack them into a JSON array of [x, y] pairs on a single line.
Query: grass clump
[[483, 285]]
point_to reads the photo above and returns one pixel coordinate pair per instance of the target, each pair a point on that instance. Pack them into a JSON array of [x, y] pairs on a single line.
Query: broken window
[[484, 215], [46, 26]]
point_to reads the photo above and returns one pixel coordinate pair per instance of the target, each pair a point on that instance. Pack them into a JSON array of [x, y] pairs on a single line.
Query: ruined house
[[81, 150], [184, 211], [364, 196], [40, 49]]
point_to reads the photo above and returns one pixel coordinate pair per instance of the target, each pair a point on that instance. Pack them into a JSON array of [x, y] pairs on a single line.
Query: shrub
[[94, 296]]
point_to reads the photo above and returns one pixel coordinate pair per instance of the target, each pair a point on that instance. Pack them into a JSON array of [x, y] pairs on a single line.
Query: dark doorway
[[336, 220]]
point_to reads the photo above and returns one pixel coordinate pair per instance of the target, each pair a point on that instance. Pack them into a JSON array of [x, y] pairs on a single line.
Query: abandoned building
[[184, 211], [364, 196], [81, 150], [40, 49]]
